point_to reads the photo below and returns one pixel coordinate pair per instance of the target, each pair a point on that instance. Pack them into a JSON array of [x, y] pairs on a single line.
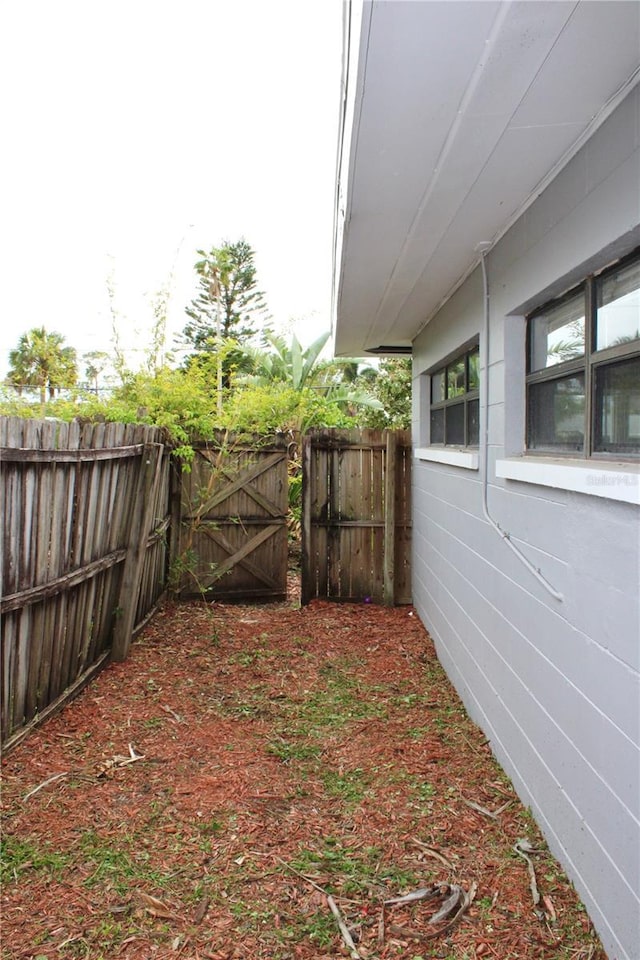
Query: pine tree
[[228, 304]]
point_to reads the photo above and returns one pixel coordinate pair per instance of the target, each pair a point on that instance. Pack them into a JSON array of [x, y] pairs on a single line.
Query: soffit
[[460, 112]]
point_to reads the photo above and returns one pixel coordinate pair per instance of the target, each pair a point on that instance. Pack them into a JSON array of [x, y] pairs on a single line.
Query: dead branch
[[424, 893], [450, 904], [432, 852], [167, 709], [523, 848], [45, 783], [467, 900], [344, 930], [381, 926], [302, 876], [483, 810]]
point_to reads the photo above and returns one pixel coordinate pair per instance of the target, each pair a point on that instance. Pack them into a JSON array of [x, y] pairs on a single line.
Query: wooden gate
[[233, 522], [356, 517]]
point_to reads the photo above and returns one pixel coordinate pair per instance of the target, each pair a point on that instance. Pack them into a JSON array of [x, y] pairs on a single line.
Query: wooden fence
[[356, 518], [85, 520], [231, 539], [92, 514]]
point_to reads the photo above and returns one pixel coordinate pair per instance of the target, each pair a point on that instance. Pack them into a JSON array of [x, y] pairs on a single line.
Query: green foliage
[[392, 388], [291, 392], [42, 361], [290, 364], [228, 303], [20, 856], [280, 408], [300, 370]]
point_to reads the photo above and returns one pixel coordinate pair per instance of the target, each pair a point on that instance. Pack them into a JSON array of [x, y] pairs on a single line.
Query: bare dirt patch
[[247, 761]]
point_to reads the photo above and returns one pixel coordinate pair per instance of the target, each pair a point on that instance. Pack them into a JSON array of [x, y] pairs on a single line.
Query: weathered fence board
[[233, 521], [356, 529], [68, 496]]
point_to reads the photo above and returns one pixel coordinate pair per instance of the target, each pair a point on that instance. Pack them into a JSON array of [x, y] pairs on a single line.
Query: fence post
[[138, 534], [389, 519], [175, 525], [305, 565]]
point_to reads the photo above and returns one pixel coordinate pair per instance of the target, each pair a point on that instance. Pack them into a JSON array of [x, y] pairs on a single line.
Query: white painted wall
[[554, 684]]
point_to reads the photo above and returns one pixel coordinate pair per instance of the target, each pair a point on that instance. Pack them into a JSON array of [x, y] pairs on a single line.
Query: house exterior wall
[[555, 684]]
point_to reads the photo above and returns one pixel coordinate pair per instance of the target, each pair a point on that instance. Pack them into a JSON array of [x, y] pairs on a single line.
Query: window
[[583, 368], [455, 404]]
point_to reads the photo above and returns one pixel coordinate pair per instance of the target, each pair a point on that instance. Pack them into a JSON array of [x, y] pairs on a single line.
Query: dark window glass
[[618, 407], [455, 379], [474, 370], [583, 381], [454, 401], [455, 424], [557, 334], [473, 423], [437, 426], [557, 414], [618, 317], [437, 386]]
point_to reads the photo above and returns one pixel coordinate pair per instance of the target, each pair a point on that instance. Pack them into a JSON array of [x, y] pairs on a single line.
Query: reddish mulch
[[284, 754]]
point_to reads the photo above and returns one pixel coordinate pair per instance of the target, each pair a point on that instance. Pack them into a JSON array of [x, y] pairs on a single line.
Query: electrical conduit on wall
[[482, 248]]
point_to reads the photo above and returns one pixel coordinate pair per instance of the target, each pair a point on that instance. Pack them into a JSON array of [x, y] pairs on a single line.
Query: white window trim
[[611, 480], [466, 459]]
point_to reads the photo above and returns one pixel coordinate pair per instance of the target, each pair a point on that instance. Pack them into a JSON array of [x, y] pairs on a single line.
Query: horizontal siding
[[554, 684], [579, 656], [612, 903]]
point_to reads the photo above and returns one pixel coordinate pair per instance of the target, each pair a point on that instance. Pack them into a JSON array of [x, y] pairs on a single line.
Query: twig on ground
[[492, 814], [118, 761], [302, 876], [432, 852], [523, 848], [45, 783], [344, 930], [549, 907], [454, 899], [483, 810], [381, 926], [424, 893], [466, 902], [167, 709], [479, 753]]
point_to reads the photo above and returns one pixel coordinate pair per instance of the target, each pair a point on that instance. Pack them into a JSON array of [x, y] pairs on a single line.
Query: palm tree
[[96, 362], [41, 360]]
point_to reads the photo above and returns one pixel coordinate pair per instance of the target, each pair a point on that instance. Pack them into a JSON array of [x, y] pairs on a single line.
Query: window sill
[[613, 481], [453, 456]]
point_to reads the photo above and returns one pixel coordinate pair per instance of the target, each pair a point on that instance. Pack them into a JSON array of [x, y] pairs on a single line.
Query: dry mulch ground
[[247, 761]]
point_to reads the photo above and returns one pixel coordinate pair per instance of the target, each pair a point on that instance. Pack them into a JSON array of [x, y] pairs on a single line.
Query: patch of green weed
[[288, 751], [18, 856], [121, 863], [349, 786], [349, 871]]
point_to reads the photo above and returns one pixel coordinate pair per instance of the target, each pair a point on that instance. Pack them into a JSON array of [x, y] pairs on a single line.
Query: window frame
[[463, 399], [587, 365]]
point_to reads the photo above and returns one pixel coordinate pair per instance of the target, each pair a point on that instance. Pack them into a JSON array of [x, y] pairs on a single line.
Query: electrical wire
[[504, 535]]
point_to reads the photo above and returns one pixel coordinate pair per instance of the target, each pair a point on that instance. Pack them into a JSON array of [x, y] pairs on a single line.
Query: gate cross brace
[[243, 480], [240, 557]]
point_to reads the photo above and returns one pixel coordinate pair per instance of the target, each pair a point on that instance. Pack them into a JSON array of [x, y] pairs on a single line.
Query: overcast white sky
[[136, 131]]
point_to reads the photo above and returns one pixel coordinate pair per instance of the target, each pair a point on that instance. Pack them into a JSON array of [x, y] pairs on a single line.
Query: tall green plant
[[228, 302], [287, 363], [42, 361]]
